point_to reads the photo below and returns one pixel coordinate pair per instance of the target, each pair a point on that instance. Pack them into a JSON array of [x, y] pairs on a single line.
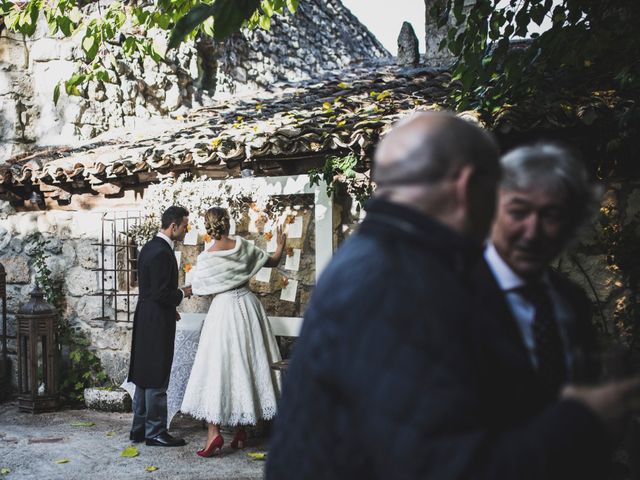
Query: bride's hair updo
[[217, 222]]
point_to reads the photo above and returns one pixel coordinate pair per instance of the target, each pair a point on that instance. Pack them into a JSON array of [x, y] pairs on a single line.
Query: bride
[[231, 382]]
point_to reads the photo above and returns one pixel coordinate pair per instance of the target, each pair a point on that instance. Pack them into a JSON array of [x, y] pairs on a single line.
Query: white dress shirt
[[523, 311], [171, 244]]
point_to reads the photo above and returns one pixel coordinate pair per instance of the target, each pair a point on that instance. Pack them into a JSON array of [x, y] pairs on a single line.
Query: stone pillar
[[434, 57], [408, 53]]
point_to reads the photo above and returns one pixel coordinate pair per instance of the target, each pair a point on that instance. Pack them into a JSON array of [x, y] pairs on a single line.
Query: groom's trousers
[[150, 411]]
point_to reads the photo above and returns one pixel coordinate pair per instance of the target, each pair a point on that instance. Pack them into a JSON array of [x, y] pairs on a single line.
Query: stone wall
[[599, 263], [322, 36], [434, 57]]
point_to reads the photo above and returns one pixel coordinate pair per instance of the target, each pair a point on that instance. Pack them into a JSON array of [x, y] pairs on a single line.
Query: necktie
[[549, 350]]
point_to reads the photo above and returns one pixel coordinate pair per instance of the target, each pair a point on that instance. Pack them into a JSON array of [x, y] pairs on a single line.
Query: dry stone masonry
[[322, 36]]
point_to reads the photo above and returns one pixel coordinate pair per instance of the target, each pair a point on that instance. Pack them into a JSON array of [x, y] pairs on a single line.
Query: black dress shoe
[[165, 440], [136, 437]]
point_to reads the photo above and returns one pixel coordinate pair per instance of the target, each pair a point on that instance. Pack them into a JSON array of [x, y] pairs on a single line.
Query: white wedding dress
[[231, 382]]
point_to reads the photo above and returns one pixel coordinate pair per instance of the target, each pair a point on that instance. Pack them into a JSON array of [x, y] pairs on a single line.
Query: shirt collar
[[507, 279], [166, 239]]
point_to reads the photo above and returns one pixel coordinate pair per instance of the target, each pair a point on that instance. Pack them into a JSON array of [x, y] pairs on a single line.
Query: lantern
[[37, 355]]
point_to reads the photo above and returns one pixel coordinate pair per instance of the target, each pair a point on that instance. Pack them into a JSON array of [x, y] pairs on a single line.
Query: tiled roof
[[311, 119]]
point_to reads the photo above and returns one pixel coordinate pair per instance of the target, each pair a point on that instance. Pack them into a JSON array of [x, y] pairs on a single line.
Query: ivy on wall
[[82, 368]]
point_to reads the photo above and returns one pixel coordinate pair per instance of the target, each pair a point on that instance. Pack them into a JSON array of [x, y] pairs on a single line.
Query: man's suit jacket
[[154, 324], [504, 350]]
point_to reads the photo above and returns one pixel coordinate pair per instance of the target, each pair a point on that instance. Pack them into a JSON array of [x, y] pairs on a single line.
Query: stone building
[[300, 110], [322, 36]]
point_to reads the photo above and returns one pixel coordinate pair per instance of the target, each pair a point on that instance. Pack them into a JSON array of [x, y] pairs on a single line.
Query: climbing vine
[[128, 25], [82, 367], [347, 171]]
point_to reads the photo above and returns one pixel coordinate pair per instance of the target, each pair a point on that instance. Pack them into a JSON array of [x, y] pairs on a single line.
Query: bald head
[[426, 147], [443, 166]]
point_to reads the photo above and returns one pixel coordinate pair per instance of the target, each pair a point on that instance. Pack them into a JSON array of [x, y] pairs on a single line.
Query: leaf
[[257, 455], [292, 5], [5, 471], [265, 22], [62, 460], [56, 93], [111, 434], [82, 424], [228, 17], [189, 22], [150, 468], [267, 7], [130, 452]]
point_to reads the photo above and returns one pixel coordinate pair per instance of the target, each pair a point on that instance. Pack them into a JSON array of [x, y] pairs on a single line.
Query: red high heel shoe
[[214, 446], [239, 439]]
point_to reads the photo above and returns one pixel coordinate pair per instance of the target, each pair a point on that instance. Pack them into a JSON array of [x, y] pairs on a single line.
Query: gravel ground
[[31, 444]]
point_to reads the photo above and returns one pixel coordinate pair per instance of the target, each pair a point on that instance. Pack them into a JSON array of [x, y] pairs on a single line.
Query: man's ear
[[462, 179]]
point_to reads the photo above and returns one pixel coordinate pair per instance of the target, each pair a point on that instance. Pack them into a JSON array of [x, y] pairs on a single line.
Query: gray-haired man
[[542, 335]]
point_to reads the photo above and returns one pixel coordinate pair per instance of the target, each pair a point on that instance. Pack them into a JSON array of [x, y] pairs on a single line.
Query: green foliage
[[84, 368], [622, 250], [344, 171], [590, 40], [52, 289], [125, 25]]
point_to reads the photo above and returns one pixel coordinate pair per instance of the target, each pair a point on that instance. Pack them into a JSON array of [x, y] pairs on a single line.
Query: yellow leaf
[[62, 460], [341, 123], [111, 434], [5, 471], [258, 455], [343, 85], [215, 142], [326, 106], [150, 468], [129, 452], [383, 95], [259, 106], [82, 424], [239, 118]]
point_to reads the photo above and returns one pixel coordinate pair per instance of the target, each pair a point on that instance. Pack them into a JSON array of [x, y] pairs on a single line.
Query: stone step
[[104, 400]]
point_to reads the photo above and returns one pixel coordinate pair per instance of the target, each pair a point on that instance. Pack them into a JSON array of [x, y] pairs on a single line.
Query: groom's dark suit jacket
[[154, 324]]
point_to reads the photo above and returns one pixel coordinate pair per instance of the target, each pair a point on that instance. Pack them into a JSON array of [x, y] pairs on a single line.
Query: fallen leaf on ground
[[129, 452], [150, 468], [62, 460], [110, 434], [258, 455], [82, 424], [5, 471]]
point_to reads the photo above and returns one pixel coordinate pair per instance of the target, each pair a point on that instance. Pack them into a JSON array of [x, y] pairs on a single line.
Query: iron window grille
[[118, 265]]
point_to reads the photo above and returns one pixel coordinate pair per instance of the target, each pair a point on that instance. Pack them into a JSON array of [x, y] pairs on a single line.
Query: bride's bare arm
[[274, 259]]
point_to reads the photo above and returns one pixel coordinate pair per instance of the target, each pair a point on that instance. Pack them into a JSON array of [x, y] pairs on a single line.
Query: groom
[[154, 328]]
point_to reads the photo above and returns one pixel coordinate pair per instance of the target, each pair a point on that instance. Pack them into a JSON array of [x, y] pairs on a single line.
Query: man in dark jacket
[[154, 328], [544, 196], [390, 377]]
